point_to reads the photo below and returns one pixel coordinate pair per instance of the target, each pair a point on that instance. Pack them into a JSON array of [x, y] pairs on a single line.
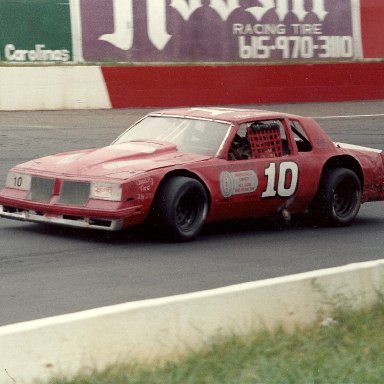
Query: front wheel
[[180, 208], [339, 197]]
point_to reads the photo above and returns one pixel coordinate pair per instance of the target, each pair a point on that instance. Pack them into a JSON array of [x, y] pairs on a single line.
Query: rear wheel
[[339, 197], [180, 209]]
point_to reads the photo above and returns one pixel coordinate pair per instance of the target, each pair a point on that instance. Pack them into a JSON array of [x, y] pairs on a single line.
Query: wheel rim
[[187, 211], [344, 199]]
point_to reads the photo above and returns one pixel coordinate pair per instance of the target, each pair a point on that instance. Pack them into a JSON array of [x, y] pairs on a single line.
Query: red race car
[[180, 168]]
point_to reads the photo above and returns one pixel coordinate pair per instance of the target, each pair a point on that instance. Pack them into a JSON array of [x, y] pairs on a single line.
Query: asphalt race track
[[48, 271]]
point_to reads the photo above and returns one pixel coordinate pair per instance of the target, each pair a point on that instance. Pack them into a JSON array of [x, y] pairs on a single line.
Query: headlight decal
[[105, 191]]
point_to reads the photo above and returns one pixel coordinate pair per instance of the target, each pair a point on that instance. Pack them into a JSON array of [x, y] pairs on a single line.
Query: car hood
[[118, 160]]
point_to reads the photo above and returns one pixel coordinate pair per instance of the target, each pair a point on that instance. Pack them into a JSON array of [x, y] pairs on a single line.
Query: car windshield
[[202, 137]]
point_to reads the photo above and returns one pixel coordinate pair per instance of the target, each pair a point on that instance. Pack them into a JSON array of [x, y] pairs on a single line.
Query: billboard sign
[[35, 31], [217, 30]]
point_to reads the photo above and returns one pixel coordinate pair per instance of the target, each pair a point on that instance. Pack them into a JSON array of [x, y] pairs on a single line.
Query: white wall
[[52, 87], [163, 328]]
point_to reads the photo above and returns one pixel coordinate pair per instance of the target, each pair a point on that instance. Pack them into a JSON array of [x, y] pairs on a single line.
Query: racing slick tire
[[339, 198], [180, 209]]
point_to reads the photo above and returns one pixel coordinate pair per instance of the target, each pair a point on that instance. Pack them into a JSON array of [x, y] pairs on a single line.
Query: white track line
[[348, 116]]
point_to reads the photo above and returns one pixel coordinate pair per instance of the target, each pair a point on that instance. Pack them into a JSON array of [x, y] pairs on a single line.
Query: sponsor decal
[[282, 181], [144, 196], [145, 185], [103, 191], [220, 30], [237, 183]]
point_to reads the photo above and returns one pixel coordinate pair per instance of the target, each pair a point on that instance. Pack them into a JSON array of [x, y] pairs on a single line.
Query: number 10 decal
[[287, 181]]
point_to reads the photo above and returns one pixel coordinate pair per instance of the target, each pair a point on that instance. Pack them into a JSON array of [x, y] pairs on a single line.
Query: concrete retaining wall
[[167, 327], [80, 87], [52, 88], [159, 86]]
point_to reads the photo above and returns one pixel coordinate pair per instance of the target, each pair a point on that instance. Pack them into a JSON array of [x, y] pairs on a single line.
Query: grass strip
[[345, 349]]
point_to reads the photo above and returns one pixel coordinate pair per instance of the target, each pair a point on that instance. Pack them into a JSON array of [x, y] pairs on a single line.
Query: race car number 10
[[286, 181], [18, 181]]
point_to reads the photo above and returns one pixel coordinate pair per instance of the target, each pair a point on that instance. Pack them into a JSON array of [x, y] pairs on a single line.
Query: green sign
[[35, 31]]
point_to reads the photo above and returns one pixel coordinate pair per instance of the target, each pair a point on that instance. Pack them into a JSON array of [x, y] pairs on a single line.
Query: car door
[[263, 174]]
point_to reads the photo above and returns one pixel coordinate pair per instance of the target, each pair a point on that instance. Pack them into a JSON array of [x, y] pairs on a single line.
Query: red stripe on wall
[[159, 86], [372, 24]]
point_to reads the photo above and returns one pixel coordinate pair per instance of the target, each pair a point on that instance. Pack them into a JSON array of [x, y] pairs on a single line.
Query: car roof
[[230, 115]]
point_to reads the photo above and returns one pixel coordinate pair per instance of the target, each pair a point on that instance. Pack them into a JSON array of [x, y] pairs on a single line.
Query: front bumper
[[78, 217], [67, 220]]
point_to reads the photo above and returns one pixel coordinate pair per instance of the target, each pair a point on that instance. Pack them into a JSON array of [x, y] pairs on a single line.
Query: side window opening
[[260, 139], [301, 139], [240, 148]]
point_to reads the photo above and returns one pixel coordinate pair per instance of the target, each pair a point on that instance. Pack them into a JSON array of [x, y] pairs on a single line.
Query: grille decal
[[41, 189], [74, 192]]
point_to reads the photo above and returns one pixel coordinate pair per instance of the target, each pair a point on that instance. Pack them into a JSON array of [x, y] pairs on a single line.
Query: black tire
[[339, 197], [180, 209]]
